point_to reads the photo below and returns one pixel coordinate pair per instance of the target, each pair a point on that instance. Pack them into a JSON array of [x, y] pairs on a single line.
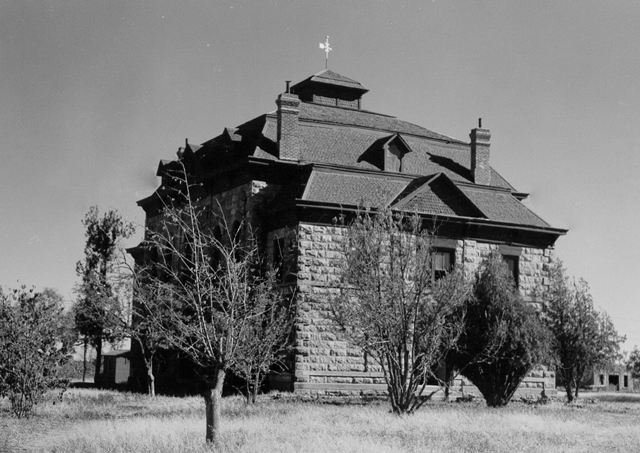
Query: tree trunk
[[151, 383], [213, 400], [569, 389], [84, 360], [448, 381], [97, 376], [151, 379], [247, 389], [256, 387]]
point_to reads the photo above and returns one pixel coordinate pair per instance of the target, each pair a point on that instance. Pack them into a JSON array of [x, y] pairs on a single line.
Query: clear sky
[[93, 94]]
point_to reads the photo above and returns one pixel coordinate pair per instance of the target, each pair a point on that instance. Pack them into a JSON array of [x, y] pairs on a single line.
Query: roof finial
[[327, 49]]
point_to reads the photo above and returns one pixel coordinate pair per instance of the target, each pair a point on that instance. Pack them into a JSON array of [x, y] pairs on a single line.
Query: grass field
[[103, 421]]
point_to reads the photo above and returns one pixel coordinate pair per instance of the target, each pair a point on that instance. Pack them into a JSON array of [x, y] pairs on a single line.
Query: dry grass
[[100, 421]]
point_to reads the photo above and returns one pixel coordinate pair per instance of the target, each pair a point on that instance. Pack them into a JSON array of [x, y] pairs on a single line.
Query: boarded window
[[393, 158]]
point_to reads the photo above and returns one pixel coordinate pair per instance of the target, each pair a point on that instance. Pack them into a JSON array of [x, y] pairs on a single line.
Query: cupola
[[330, 88]]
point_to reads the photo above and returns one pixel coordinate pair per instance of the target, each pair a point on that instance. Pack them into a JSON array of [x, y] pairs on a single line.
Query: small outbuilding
[[614, 378], [117, 365]]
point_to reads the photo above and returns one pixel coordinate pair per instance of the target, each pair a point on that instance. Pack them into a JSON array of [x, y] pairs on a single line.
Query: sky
[[93, 94]]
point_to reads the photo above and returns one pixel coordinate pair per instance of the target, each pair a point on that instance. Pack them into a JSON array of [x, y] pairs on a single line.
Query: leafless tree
[[215, 292], [391, 305], [142, 314], [264, 341]]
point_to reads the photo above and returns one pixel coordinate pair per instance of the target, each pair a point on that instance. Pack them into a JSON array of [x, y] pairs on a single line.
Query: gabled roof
[[434, 195], [437, 195]]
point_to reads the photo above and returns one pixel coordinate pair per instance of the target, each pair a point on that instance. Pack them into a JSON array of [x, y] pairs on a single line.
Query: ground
[[90, 420]]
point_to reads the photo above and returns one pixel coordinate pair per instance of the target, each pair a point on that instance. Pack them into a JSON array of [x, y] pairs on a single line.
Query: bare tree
[[145, 322], [215, 291], [265, 338], [391, 305]]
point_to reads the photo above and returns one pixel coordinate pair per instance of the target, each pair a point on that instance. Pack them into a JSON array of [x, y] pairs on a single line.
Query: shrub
[[34, 344], [503, 336]]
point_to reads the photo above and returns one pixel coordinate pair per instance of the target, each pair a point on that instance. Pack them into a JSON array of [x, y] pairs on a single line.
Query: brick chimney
[[288, 110], [480, 170]]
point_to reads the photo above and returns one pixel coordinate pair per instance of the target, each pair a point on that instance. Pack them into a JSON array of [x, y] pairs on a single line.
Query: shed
[[117, 364]]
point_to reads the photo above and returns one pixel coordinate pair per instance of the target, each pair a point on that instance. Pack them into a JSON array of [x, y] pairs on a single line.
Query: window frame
[[440, 245], [512, 254]]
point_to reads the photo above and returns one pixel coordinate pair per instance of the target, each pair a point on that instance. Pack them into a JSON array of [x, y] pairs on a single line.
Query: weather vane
[[327, 49]]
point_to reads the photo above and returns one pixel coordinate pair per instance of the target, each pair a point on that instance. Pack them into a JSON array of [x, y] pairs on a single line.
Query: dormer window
[[394, 151], [393, 158]]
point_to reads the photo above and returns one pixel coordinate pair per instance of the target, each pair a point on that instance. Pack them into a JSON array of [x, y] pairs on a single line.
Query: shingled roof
[[330, 185], [326, 114], [436, 195], [329, 77], [346, 147]]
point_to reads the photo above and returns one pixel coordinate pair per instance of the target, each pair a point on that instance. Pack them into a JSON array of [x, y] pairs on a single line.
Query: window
[[283, 260], [394, 150], [511, 256], [626, 381], [442, 261], [393, 159], [216, 252], [278, 258], [513, 263]]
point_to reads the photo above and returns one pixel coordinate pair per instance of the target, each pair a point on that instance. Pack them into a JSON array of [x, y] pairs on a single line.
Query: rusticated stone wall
[[325, 362]]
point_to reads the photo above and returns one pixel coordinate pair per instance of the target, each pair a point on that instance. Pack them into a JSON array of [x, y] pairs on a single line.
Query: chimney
[[480, 170], [288, 110]]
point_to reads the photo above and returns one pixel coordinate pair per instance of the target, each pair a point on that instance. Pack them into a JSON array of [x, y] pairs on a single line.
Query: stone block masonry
[[325, 362]]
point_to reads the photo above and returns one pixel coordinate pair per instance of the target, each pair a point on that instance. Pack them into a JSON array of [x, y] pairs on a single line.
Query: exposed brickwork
[[288, 111], [480, 169], [350, 104]]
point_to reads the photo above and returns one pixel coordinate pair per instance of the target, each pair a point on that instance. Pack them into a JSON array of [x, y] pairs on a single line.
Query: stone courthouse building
[[294, 172]]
